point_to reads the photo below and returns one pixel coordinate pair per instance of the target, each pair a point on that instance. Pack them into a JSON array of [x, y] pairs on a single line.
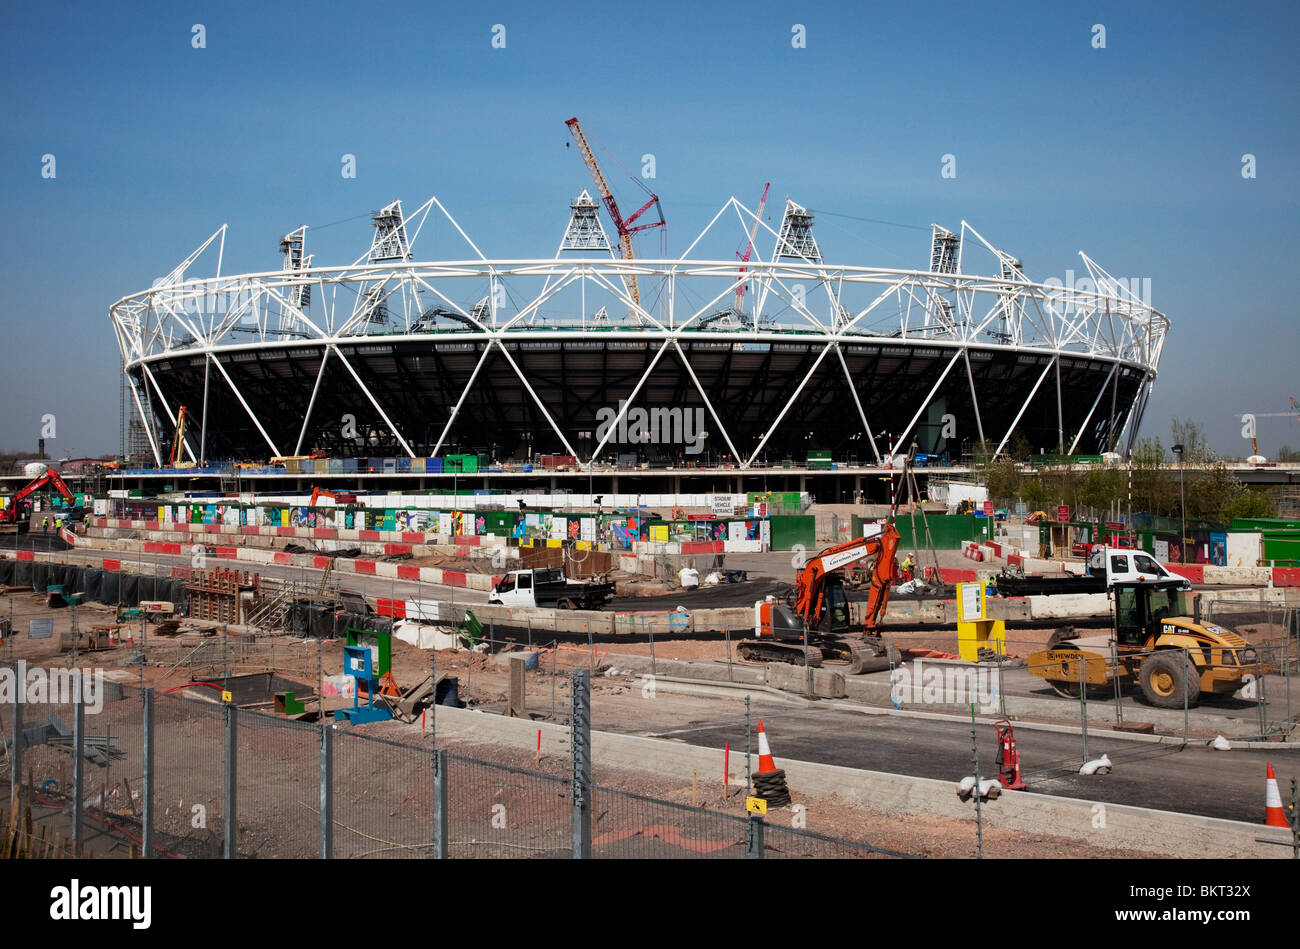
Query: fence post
[[979, 811], [1119, 690], [754, 837], [749, 755], [1083, 706], [581, 727], [1002, 682], [651, 628], [78, 766], [1262, 705], [16, 739], [147, 756], [326, 792], [807, 669], [1286, 668], [440, 838], [320, 679], [230, 798]]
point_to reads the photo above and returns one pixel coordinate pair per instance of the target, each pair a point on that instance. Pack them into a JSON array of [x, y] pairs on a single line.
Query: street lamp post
[[1182, 498]]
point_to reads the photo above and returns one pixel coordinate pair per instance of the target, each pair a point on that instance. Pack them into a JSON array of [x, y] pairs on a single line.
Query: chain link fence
[[174, 776]]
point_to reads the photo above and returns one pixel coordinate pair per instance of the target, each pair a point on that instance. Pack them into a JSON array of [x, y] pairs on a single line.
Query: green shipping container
[[791, 529], [947, 531], [500, 523]]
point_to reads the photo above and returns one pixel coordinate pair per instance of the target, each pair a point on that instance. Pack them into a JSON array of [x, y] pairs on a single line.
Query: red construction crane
[[623, 225], [49, 477], [749, 248]]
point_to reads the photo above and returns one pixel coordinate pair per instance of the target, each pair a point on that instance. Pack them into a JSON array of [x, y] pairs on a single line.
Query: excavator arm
[[337, 497], [810, 586], [49, 477]]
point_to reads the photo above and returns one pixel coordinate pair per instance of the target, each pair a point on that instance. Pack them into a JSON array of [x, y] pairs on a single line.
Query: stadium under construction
[[774, 368]]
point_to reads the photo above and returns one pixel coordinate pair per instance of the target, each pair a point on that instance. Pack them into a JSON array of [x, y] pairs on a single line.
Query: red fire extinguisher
[[1008, 757]]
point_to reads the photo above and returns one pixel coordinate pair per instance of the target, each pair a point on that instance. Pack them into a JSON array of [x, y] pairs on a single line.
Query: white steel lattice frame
[[945, 312]]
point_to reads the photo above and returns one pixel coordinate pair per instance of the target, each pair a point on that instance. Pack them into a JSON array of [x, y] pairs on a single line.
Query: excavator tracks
[[753, 650]]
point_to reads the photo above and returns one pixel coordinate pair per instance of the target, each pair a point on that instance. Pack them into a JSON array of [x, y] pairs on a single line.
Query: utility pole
[[1182, 495]]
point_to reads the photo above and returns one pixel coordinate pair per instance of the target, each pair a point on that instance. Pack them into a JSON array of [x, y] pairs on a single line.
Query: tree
[[1020, 449], [1250, 502], [1191, 435], [1035, 494], [1101, 487], [1003, 480], [1287, 453], [1155, 490]]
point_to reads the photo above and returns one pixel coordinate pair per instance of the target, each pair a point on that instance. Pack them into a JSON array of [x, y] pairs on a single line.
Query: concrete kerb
[[731, 690], [1097, 824]]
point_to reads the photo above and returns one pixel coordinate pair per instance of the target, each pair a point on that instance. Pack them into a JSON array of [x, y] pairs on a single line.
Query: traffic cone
[[765, 763], [769, 782], [1274, 815]]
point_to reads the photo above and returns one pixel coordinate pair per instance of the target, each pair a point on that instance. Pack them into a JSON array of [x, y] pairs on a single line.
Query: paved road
[[1227, 784]]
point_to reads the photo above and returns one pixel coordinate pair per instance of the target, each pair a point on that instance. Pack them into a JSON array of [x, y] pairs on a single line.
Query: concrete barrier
[[1286, 576], [1252, 576], [1069, 605], [826, 683]]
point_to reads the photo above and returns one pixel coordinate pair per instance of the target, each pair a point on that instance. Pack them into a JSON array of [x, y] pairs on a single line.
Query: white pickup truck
[[548, 586], [1106, 567]]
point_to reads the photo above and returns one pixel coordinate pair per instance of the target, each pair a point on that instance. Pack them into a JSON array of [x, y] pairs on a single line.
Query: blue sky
[[1131, 153]]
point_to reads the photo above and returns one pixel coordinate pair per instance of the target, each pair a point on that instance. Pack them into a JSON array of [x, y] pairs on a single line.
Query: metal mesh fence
[[189, 774], [499, 811], [278, 774], [627, 825], [383, 798], [114, 797], [379, 798], [799, 844]]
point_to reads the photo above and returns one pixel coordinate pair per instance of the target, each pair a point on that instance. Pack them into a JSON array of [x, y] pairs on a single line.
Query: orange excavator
[[338, 497], [818, 608], [12, 516]]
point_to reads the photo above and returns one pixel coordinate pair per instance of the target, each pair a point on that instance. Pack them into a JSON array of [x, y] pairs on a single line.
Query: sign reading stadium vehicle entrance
[[721, 505], [782, 352]]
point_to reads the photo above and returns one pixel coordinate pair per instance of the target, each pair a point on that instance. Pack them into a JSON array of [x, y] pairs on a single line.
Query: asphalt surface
[[1194, 780]]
